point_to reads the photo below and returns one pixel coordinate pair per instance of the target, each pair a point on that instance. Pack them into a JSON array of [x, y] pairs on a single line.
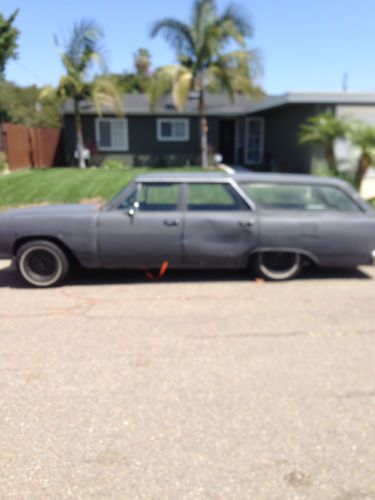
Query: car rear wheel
[[278, 266], [42, 263]]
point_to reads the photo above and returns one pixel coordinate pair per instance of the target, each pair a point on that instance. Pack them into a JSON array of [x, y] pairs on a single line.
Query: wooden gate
[[32, 146]]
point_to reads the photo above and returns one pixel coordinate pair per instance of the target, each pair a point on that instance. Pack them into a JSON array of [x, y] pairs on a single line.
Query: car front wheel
[[42, 263], [278, 266]]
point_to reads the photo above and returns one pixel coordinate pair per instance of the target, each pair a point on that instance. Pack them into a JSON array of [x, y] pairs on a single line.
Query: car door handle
[[246, 223], [171, 222]]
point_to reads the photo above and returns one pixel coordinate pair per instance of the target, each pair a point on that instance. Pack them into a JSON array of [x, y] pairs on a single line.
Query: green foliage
[[142, 62], [131, 83], [8, 40], [204, 63], [112, 164], [22, 105], [322, 129], [362, 135], [325, 128], [3, 162], [136, 82]]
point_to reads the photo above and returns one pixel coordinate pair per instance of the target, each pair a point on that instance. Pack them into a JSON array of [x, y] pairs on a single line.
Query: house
[[261, 134]]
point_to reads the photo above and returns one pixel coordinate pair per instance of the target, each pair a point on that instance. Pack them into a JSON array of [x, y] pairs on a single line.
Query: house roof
[[139, 104], [311, 98], [220, 104]]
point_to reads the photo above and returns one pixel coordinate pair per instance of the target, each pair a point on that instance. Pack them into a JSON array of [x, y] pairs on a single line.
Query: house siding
[[282, 152], [144, 147]]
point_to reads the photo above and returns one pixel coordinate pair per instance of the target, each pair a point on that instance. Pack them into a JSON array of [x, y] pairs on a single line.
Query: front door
[[227, 137], [144, 235], [220, 228]]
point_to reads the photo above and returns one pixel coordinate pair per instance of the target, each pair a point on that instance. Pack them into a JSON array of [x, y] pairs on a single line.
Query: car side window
[[335, 199], [214, 197], [299, 197], [128, 202], [161, 196]]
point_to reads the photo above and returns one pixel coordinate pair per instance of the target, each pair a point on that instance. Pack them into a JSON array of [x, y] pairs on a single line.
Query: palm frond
[[175, 32], [203, 13], [105, 93], [322, 129], [85, 40], [181, 86], [161, 83], [47, 94], [362, 135], [233, 73], [235, 23]]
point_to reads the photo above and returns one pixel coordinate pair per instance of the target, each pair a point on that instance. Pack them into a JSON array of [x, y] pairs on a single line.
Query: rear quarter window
[[299, 197]]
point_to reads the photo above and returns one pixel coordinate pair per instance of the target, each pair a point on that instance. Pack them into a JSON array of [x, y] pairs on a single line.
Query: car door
[[220, 228], [144, 230]]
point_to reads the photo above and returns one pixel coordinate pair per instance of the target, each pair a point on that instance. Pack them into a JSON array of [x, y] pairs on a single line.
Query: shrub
[[111, 164], [4, 167]]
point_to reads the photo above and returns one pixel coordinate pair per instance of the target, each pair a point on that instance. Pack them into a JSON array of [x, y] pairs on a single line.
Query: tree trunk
[[203, 129], [331, 158], [79, 135], [363, 165]]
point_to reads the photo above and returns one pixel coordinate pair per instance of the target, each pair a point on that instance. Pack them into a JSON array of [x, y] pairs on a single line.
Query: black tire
[[42, 263], [277, 266]]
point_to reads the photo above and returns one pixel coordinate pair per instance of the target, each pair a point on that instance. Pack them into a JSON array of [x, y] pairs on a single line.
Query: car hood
[[51, 210]]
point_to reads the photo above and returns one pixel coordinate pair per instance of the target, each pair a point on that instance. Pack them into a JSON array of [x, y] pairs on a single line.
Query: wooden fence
[[31, 146]]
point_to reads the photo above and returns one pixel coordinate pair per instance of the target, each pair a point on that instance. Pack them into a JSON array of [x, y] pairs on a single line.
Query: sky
[[303, 45]]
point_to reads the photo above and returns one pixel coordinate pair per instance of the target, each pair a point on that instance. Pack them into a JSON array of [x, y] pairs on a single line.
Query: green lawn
[[68, 185]]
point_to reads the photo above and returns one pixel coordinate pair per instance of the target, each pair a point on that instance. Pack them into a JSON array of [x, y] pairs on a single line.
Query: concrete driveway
[[201, 386]]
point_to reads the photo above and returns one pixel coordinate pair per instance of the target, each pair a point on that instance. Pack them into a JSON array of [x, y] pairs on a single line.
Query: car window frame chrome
[[182, 205], [231, 182]]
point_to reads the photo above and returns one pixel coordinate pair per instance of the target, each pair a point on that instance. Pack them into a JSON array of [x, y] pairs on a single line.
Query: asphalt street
[[198, 386]]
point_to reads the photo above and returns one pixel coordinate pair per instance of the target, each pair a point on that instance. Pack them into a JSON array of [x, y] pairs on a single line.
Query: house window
[[172, 129], [112, 134], [254, 141]]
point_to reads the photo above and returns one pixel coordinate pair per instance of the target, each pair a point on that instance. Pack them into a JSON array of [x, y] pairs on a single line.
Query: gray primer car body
[[114, 237]]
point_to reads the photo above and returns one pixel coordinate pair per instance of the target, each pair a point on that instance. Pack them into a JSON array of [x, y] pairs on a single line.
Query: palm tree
[[362, 135], [203, 63], [324, 129], [142, 62], [82, 51]]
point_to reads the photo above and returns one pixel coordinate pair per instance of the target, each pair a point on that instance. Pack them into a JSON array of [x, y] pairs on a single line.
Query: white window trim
[[246, 144], [97, 134], [159, 123]]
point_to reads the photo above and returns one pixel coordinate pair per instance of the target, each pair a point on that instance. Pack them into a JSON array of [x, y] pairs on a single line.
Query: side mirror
[[133, 209]]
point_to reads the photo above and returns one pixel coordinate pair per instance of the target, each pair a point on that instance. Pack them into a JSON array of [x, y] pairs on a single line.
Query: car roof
[[240, 177]]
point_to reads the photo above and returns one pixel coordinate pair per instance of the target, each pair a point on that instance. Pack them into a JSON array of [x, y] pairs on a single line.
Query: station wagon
[[271, 224]]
